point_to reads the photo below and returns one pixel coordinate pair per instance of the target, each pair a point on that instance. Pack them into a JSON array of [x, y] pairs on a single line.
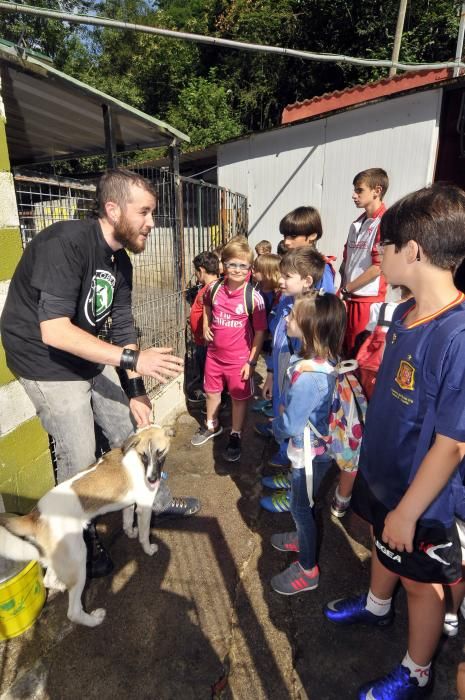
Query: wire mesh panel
[[43, 201]]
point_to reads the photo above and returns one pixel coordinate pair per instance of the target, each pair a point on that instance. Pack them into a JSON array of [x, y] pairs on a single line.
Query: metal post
[[178, 243], [398, 36], [459, 50], [109, 136]]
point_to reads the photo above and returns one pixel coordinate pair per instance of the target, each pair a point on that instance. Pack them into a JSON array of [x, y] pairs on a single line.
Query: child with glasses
[[361, 281], [234, 326]]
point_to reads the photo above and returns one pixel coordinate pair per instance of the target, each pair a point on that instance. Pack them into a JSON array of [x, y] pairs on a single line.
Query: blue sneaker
[[397, 685], [263, 429], [352, 611], [279, 502], [279, 460], [260, 405], [280, 481]]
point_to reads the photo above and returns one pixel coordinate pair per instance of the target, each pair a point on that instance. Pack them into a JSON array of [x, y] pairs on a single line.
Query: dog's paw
[[150, 549], [52, 581], [98, 615], [132, 532]]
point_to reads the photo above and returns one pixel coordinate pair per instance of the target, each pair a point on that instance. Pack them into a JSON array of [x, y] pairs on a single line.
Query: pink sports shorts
[[219, 376]]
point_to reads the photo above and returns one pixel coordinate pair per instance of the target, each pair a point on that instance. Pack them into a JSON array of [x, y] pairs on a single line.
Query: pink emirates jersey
[[232, 331]]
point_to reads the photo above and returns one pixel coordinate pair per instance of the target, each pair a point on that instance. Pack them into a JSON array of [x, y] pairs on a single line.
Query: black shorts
[[436, 556]]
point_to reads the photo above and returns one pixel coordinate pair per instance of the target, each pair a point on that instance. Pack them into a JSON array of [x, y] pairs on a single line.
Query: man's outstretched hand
[[159, 363]]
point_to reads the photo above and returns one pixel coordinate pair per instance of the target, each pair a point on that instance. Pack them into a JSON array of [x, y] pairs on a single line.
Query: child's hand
[[208, 334], [398, 532], [245, 372], [267, 391]]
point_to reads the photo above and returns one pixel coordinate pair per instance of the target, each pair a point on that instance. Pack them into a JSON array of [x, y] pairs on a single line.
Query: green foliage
[[204, 111], [217, 93]]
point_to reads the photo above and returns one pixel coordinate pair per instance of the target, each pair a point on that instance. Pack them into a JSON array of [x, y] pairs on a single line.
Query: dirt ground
[[199, 619]]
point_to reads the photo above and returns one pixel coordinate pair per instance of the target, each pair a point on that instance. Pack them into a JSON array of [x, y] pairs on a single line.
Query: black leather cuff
[[129, 359], [135, 387]]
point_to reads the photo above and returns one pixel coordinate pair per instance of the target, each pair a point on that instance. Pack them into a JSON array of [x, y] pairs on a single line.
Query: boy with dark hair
[[408, 485], [301, 269], [207, 269], [302, 227], [361, 281]]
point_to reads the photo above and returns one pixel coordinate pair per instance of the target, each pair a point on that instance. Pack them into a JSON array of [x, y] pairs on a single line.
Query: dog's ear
[[132, 441], [169, 431]]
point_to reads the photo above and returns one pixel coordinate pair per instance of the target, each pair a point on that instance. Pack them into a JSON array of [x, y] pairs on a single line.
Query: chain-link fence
[[192, 216]]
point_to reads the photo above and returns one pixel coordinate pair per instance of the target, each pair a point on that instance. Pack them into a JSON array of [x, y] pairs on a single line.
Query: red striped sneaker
[[295, 580]]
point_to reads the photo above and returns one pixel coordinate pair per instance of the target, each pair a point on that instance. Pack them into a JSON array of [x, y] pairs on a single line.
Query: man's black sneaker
[[98, 562], [232, 452], [180, 507]]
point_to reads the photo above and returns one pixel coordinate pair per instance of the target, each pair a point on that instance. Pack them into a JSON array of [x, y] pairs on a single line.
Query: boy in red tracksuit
[[361, 281]]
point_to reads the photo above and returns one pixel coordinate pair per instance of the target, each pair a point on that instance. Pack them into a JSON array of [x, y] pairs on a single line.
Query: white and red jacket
[[360, 252]]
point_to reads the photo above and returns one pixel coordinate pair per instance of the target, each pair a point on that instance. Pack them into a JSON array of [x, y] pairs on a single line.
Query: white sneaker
[[451, 625]]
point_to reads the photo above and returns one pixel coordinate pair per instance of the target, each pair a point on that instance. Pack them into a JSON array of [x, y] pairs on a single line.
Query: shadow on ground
[[199, 619]]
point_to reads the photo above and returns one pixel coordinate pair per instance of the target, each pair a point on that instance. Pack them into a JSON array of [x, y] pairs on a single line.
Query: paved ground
[[199, 620]]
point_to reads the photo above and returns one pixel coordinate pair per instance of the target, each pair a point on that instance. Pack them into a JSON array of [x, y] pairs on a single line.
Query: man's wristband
[[252, 363], [129, 359], [135, 387]]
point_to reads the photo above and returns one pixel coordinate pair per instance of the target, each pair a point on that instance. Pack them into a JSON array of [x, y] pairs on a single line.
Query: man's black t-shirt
[[67, 266]]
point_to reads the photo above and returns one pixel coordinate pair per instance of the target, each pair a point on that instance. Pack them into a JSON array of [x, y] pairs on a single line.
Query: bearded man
[[71, 278]]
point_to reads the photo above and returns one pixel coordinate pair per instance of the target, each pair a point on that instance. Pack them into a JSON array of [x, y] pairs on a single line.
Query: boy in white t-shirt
[[361, 281]]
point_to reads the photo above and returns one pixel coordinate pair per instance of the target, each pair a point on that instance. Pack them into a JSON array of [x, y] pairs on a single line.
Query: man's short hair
[[304, 261], [209, 261], [433, 217], [302, 221], [115, 186], [373, 177]]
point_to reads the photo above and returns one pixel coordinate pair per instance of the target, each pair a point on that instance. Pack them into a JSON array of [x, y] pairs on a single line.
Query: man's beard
[[125, 234]]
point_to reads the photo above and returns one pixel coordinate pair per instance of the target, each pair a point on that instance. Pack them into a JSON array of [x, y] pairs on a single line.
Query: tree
[[203, 110]]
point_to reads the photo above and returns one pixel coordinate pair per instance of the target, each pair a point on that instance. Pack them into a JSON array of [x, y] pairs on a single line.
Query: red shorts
[[358, 316], [219, 376]]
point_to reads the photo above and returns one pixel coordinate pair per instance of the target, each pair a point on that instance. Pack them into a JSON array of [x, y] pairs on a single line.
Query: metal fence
[[192, 216]]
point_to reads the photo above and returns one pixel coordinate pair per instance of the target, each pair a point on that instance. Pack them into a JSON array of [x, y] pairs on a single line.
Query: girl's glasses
[[237, 266]]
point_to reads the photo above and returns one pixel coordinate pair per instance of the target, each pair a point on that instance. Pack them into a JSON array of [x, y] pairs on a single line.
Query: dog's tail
[[12, 546]]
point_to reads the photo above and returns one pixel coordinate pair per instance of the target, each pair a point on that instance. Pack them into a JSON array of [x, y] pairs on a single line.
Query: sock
[[377, 606], [212, 424], [310, 572], [342, 499], [421, 673]]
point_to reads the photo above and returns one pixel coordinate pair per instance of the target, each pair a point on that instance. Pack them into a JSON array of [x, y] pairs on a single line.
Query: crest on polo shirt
[[405, 376], [239, 309]]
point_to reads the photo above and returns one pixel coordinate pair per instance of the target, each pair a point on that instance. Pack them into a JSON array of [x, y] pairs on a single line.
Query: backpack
[[248, 296], [329, 275], [371, 353], [346, 419]]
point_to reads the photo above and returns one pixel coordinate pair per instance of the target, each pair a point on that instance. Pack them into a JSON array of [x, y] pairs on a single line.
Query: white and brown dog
[[52, 531]]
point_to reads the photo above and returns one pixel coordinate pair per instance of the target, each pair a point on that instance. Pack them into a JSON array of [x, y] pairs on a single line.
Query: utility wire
[[228, 43]]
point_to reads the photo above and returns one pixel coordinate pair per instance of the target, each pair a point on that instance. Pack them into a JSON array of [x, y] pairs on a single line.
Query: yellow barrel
[[22, 596]]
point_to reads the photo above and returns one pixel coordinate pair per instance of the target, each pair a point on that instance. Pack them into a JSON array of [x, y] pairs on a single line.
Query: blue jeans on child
[[302, 512]]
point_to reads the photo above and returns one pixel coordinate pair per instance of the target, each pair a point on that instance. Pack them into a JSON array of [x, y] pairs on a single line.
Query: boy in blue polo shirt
[[409, 485]]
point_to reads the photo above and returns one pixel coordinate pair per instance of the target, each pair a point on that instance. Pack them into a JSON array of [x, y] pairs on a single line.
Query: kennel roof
[[52, 116]]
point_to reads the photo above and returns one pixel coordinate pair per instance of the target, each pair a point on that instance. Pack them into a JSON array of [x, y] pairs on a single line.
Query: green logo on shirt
[[100, 297]]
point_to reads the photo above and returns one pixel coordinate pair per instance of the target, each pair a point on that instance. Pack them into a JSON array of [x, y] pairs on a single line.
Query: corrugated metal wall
[[314, 163]]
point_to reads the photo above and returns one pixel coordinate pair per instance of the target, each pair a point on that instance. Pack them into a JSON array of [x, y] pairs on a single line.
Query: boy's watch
[[252, 363], [345, 292]]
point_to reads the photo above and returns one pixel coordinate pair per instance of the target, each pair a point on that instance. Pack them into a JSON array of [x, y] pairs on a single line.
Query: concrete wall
[[313, 163], [25, 464]]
